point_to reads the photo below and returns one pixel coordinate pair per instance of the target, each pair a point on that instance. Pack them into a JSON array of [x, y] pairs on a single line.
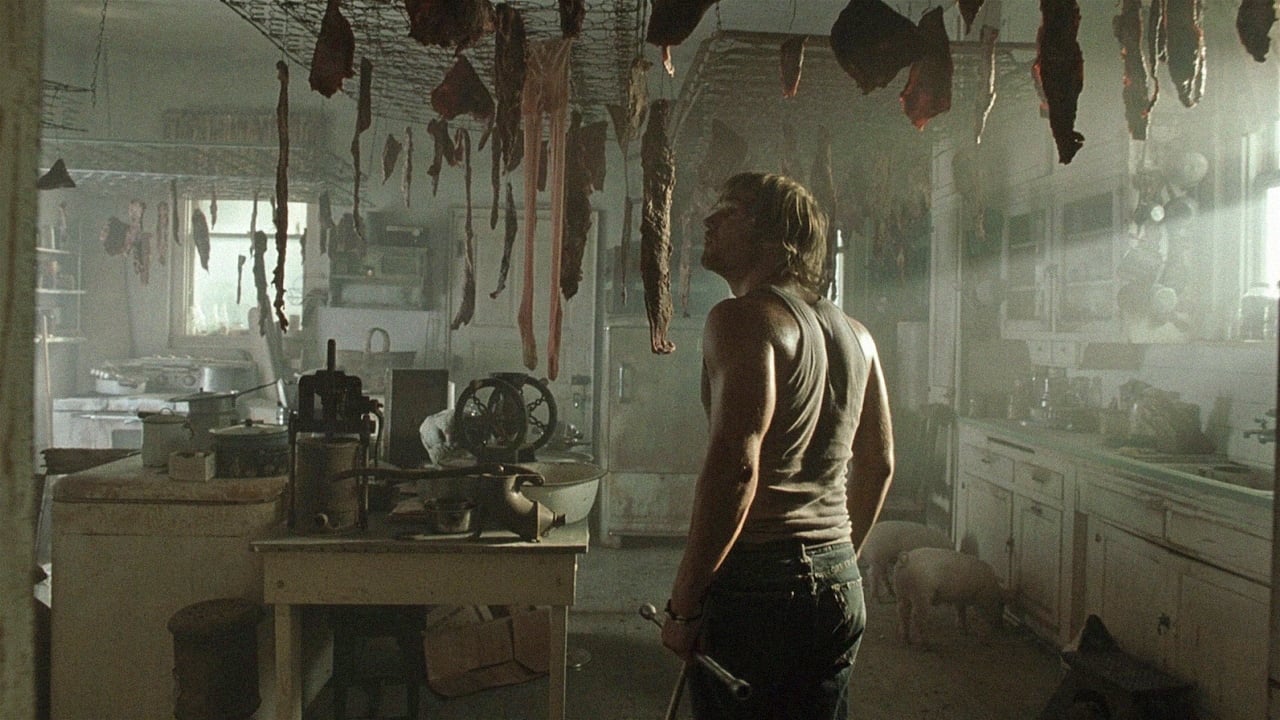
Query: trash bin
[[215, 660]]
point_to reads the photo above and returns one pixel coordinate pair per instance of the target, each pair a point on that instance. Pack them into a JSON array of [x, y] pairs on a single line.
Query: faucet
[[1263, 433]]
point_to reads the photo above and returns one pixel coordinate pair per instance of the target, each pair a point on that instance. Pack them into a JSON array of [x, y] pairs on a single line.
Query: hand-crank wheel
[[490, 417], [539, 407]]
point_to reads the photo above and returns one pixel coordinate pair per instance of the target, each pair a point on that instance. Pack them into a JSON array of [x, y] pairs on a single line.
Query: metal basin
[[1230, 473]]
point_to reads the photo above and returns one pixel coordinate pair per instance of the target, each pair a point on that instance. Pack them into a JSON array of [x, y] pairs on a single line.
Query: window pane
[[1270, 253], [214, 310]]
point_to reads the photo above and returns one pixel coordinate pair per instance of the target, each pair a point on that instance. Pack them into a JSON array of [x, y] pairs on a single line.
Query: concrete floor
[[630, 676]]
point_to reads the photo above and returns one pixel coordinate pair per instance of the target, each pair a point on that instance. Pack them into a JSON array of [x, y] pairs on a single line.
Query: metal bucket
[[321, 505]]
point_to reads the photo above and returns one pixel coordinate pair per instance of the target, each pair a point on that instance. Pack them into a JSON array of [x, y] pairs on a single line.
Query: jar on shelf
[[1257, 315]]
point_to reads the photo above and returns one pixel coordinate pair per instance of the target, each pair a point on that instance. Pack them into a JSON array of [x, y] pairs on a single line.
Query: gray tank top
[[804, 457]]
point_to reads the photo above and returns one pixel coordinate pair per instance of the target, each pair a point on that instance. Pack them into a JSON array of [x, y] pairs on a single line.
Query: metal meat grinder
[[329, 433]]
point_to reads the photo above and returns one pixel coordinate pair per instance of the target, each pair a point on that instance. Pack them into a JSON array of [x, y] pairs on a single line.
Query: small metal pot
[[163, 433], [251, 450], [450, 514]]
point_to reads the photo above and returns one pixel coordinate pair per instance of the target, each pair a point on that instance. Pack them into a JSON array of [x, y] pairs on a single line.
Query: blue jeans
[[788, 620]]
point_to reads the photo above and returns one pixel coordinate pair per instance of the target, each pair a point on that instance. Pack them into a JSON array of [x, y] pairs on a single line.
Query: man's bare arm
[[872, 470]]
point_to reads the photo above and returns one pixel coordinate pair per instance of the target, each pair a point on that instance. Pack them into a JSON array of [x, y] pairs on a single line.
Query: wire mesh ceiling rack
[[405, 71]]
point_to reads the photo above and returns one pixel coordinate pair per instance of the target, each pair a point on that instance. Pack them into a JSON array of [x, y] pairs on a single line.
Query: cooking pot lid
[[204, 395], [251, 430]]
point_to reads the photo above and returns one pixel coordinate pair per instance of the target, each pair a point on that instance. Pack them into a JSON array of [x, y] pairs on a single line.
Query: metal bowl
[[450, 514], [568, 488]]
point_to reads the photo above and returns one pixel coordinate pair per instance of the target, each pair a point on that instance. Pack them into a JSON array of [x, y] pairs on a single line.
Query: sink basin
[[1231, 473]]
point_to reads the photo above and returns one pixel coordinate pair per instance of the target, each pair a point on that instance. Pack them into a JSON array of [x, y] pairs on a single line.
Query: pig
[[925, 577], [887, 539]]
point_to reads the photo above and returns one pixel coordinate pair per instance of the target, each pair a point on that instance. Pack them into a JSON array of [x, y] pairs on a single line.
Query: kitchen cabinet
[[655, 431], [1016, 501], [1197, 622], [1060, 268]]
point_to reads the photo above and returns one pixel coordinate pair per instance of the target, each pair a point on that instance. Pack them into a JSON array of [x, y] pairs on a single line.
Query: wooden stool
[[354, 624]]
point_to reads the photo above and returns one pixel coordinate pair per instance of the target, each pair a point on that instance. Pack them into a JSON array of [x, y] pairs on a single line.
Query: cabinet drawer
[[988, 465], [1039, 482], [1220, 545], [1140, 512]]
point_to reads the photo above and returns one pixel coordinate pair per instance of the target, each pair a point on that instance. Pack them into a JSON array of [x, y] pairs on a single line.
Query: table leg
[[288, 662], [559, 640]]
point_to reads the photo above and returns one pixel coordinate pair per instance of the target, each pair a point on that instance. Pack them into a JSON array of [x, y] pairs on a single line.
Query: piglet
[[925, 577], [888, 539]]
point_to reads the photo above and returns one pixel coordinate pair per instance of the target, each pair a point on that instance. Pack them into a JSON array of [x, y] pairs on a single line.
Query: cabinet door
[[988, 531], [1129, 584], [1220, 641], [1037, 560]]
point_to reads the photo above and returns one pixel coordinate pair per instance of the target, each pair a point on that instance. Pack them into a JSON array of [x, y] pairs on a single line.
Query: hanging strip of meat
[[572, 13], [1253, 25], [162, 232], [508, 80], [509, 228], [200, 236], [239, 276], [456, 24], [671, 22], [577, 207], [141, 241], [443, 149], [1139, 89], [364, 118], [390, 154], [332, 60], [873, 42], [658, 166], [260, 281], [282, 191], [628, 119], [213, 206], [467, 308], [685, 273], [406, 181], [173, 202], [462, 92], [928, 90], [791, 61], [1185, 27], [969, 10], [986, 96], [1061, 68], [727, 152], [546, 91], [495, 180]]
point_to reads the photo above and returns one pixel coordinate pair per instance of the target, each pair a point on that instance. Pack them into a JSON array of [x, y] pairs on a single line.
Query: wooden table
[[379, 567]]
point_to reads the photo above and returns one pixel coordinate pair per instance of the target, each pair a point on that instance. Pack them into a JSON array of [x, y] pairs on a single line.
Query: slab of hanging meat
[[495, 180], [508, 81], [443, 150], [114, 235], [628, 119], [928, 90], [986, 95], [969, 10], [510, 226], [658, 165], [467, 308], [572, 13], [1184, 20], [1253, 25], [624, 249], [671, 22], [1140, 87], [281, 214], [456, 24], [173, 203], [390, 154], [260, 281], [213, 206], [333, 59], [791, 61], [162, 232], [873, 42], [462, 92], [137, 242], [584, 172], [406, 180], [327, 226], [1061, 68], [200, 236]]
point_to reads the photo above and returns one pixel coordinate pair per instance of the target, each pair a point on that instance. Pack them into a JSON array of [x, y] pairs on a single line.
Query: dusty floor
[[629, 676]]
